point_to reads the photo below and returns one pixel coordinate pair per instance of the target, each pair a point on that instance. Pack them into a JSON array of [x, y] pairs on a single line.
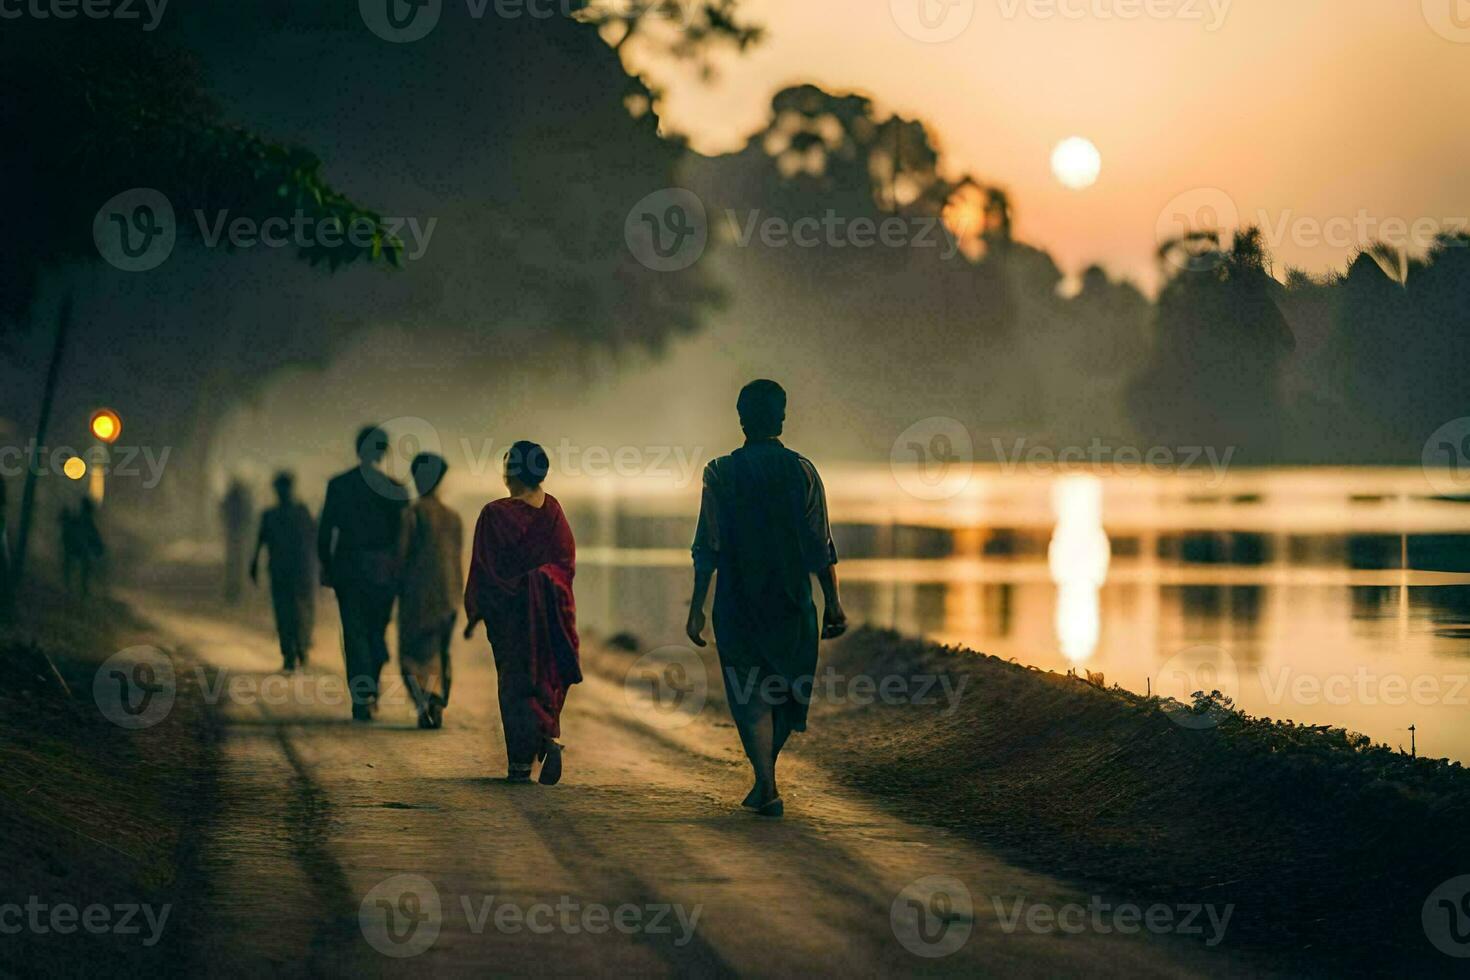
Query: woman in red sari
[[520, 586]]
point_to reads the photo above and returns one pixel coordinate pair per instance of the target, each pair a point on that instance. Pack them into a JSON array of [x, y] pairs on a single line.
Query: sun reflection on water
[[1078, 557]]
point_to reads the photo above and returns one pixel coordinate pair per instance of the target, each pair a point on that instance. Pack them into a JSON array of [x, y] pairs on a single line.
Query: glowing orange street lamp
[[106, 425], [75, 468]]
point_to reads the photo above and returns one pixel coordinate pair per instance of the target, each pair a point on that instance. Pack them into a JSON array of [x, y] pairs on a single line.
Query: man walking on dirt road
[[357, 544], [763, 527]]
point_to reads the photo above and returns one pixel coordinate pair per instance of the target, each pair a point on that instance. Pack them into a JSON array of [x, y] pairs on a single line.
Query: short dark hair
[[285, 479], [527, 462], [428, 471], [374, 432], [762, 408]]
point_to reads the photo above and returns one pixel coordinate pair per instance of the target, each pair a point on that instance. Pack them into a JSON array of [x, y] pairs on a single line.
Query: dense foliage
[[94, 108]]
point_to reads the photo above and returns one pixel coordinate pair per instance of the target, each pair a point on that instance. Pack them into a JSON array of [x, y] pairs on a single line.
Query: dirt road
[[384, 850]]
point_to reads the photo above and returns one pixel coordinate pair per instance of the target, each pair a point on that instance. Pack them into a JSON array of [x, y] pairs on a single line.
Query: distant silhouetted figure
[[357, 545], [433, 588], [7, 595], [763, 527], [81, 545], [287, 534], [520, 586], [236, 511]]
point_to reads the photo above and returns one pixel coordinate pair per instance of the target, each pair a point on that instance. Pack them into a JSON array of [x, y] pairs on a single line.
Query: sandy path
[[603, 874]]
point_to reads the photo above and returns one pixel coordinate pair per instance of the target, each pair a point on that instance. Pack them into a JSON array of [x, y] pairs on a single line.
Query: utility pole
[[48, 397]]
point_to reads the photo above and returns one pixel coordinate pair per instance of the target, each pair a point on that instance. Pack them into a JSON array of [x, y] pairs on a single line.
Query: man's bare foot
[[759, 796]]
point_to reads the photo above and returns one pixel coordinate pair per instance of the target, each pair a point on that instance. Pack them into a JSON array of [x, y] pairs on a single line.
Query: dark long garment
[[286, 533], [5, 596], [520, 584], [81, 544], [763, 529], [361, 514], [235, 512]]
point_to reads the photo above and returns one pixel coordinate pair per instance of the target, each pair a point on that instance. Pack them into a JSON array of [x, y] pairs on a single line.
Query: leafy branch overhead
[[254, 178], [94, 110]]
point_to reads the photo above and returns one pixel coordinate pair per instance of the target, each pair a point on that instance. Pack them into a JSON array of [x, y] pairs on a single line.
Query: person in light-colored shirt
[[432, 550]]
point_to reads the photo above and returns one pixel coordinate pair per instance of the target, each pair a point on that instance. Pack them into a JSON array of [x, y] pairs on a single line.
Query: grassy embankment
[[1326, 844], [95, 815]]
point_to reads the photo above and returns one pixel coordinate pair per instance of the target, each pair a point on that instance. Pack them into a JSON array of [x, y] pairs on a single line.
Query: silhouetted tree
[[1380, 371], [677, 28], [94, 108], [1220, 344], [514, 136], [979, 334]]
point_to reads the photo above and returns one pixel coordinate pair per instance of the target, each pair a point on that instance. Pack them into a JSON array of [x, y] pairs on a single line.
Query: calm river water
[[1335, 597]]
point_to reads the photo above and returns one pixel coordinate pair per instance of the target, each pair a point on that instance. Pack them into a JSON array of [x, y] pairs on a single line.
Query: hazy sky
[[1327, 121]]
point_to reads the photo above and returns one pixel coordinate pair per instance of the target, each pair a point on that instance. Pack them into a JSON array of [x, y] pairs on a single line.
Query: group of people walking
[[763, 534], [377, 546]]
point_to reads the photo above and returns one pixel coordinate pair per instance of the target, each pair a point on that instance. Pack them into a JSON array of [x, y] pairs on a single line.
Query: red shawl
[[520, 584]]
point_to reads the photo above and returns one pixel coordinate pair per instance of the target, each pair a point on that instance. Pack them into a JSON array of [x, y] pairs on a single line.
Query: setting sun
[[1076, 163]]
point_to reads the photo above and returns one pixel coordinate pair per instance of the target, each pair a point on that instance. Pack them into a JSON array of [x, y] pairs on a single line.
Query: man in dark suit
[[357, 545]]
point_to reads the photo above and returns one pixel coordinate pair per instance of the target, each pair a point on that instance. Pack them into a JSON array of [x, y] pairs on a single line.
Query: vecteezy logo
[[667, 687], [401, 916], [1450, 19], [1446, 917], [400, 21], [1446, 458], [933, 916], [135, 230], [1199, 668], [1195, 212], [932, 21], [134, 688], [933, 459], [668, 230]]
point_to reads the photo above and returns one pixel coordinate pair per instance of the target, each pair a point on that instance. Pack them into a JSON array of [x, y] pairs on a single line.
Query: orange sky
[[1302, 112]]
